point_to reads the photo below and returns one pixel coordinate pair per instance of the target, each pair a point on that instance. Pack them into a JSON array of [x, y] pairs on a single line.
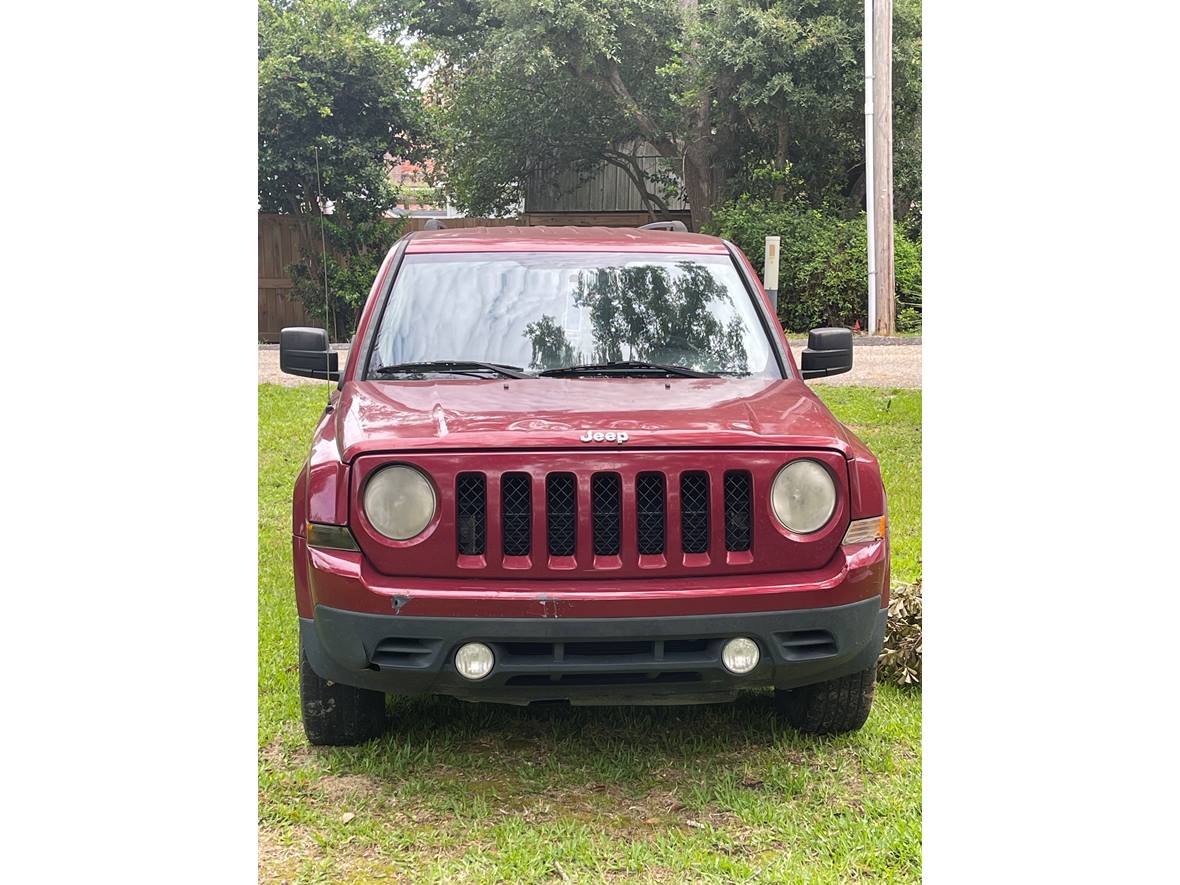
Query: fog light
[[740, 655], [474, 660]]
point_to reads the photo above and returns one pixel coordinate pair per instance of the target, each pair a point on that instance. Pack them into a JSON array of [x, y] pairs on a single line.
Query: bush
[[355, 253], [909, 320], [901, 658], [823, 272]]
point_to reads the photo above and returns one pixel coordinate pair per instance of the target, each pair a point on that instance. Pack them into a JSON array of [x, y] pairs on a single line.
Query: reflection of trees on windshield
[[647, 312], [550, 346]]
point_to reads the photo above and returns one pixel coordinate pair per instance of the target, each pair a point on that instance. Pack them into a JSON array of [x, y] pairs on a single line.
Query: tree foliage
[[326, 82], [823, 260], [798, 70], [355, 250], [725, 90], [652, 313]]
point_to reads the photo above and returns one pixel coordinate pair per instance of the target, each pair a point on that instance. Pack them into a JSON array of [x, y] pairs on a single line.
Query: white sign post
[[770, 270]]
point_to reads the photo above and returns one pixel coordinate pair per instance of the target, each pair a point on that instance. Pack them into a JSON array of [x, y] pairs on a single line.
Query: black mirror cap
[[828, 352], [304, 351]]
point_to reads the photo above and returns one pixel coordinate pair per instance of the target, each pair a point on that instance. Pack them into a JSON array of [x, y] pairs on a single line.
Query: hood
[[389, 416]]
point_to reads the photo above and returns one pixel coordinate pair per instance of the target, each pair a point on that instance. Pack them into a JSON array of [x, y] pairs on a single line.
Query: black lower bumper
[[675, 660]]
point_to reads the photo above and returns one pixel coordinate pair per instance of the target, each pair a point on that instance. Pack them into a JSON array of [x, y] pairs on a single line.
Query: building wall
[[608, 189]]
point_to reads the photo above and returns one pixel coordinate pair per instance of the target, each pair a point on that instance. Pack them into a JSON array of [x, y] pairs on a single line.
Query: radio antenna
[[328, 318]]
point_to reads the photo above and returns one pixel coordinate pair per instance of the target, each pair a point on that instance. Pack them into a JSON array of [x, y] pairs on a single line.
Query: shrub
[[355, 253], [909, 320], [901, 658], [823, 271]]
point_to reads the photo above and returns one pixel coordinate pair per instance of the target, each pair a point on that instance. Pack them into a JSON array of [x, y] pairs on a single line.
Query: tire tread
[[338, 715], [832, 707]]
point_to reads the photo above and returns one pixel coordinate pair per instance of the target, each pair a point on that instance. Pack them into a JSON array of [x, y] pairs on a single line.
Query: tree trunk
[[631, 168], [694, 162], [780, 158], [698, 182]]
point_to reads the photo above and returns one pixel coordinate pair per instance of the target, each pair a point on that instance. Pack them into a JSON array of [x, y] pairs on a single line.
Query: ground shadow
[[522, 746]]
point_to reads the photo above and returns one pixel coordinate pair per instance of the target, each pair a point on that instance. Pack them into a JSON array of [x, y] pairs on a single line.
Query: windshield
[[548, 310]]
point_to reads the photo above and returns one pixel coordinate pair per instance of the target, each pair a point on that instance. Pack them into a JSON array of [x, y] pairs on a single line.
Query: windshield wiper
[[627, 367], [453, 367]]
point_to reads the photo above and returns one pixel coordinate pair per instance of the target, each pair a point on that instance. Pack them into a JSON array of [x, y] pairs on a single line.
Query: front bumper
[[616, 660]]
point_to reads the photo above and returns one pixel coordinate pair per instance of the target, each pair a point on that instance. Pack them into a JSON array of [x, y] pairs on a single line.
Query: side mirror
[[305, 352], [828, 352]]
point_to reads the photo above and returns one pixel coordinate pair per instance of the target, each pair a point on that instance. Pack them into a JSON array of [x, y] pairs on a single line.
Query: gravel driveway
[[892, 365]]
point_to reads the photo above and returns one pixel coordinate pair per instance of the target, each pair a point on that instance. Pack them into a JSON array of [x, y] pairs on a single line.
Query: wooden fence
[[283, 238], [280, 243]]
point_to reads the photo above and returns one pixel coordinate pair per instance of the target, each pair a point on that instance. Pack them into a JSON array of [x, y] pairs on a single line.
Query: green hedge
[[823, 271]]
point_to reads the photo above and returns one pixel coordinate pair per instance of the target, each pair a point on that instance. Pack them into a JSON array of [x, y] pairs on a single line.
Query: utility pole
[[870, 193], [884, 296]]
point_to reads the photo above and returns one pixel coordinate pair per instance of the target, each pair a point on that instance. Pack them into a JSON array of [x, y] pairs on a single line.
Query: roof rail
[[434, 224], [665, 225]]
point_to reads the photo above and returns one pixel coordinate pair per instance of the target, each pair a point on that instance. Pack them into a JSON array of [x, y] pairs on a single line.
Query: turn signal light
[[862, 531]]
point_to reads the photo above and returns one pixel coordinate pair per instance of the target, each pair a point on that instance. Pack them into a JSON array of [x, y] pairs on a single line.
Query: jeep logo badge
[[610, 436]]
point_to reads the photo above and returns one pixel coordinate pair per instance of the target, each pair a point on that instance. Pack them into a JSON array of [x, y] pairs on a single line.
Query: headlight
[[399, 502], [803, 496]]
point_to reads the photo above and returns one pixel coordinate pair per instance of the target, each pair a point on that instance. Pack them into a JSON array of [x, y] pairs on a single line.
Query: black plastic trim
[[341, 646]]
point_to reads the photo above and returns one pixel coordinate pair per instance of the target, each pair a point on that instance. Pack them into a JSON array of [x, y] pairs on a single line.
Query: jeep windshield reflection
[[541, 311]]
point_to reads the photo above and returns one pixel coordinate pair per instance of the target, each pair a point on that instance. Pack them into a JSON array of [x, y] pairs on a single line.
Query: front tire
[[831, 707], [338, 715]]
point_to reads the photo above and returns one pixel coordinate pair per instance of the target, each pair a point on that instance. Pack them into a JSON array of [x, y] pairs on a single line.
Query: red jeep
[[581, 465]]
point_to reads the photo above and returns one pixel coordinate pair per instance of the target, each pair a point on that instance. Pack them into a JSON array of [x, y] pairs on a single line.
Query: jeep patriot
[[581, 465]]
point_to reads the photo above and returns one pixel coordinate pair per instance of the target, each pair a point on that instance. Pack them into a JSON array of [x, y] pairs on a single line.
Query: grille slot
[[605, 507], [802, 645], [685, 646], [651, 517], [738, 510], [694, 511], [561, 494], [538, 662], [529, 649], [603, 678], [471, 521], [403, 652], [615, 648], [516, 497]]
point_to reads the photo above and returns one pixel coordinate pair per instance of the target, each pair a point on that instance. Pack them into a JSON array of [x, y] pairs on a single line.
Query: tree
[[798, 73], [647, 312], [724, 90], [324, 81]]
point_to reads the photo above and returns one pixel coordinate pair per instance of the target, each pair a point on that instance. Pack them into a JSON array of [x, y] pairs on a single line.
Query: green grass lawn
[[662, 794]]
